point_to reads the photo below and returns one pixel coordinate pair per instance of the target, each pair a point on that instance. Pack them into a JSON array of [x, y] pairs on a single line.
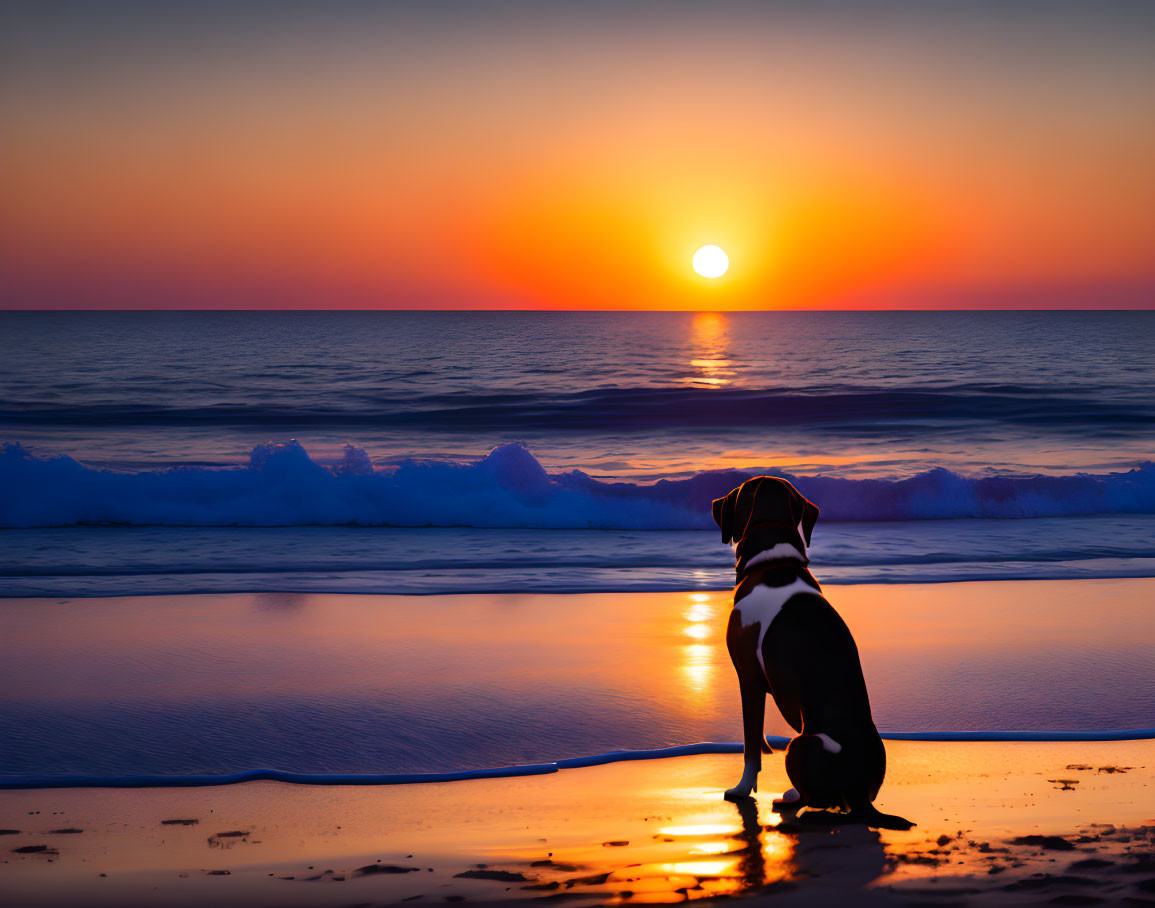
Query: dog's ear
[[723, 511], [803, 511], [809, 517]]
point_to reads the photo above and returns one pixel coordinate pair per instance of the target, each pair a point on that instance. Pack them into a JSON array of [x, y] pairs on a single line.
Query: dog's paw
[[737, 793], [790, 800]]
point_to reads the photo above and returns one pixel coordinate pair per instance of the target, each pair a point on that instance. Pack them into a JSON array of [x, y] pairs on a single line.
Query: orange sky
[[442, 155]]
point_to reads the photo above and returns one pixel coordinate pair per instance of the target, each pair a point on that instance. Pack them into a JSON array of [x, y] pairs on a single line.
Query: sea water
[[619, 395], [319, 683], [517, 453]]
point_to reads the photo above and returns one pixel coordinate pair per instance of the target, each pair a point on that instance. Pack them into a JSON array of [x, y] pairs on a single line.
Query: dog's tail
[[871, 816], [766, 748]]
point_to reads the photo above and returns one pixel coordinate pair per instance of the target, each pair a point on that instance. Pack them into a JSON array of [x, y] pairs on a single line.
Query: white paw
[[747, 784], [737, 793], [790, 801]]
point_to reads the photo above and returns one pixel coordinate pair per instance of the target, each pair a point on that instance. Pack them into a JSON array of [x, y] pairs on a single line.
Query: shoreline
[[777, 742], [998, 823], [105, 562]]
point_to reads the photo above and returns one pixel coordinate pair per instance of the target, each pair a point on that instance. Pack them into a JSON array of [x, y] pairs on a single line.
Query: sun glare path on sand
[[711, 261]]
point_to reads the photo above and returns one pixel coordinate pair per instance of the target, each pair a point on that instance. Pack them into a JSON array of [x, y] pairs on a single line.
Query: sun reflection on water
[[710, 361], [699, 659], [721, 847], [698, 868], [699, 611], [698, 667], [701, 829], [755, 855], [704, 848]]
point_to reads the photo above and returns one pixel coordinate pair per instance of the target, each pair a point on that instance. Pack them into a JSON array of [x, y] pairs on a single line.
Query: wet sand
[[1015, 823]]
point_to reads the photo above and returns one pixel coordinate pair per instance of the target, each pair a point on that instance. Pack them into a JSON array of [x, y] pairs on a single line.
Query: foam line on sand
[[533, 769]]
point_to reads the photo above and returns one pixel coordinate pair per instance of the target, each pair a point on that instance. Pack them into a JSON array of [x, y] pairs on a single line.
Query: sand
[[1016, 823]]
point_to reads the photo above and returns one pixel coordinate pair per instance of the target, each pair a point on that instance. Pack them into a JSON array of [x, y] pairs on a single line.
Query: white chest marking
[[763, 603], [829, 744], [781, 550]]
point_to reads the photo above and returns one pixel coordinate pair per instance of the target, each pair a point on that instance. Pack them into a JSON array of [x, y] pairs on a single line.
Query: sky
[[561, 155]]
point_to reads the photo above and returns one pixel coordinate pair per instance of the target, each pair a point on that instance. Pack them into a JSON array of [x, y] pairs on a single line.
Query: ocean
[[268, 460], [609, 429], [622, 396]]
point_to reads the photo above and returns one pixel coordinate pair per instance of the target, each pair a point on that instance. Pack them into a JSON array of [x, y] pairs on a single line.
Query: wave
[[508, 488], [532, 769], [838, 407], [282, 486]]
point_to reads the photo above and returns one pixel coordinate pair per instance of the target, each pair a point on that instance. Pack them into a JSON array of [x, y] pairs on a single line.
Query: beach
[[371, 547], [998, 823], [334, 683], [430, 431]]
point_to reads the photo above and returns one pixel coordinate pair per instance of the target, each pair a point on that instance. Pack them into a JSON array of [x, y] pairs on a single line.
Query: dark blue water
[[619, 421], [624, 395], [510, 454]]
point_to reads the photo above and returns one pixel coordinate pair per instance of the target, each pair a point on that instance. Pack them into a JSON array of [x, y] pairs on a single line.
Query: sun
[[711, 261]]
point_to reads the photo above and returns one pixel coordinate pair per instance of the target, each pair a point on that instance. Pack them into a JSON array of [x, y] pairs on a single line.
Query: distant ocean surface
[[956, 425], [618, 395]]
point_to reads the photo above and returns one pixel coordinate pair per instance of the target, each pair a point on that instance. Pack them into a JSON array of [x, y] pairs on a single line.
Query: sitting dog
[[785, 639]]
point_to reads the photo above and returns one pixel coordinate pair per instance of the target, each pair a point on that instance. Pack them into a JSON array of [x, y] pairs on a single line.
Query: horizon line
[[1146, 308]]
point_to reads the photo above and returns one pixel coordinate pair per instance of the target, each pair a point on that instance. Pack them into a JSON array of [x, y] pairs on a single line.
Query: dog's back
[[811, 664], [785, 639], [814, 673]]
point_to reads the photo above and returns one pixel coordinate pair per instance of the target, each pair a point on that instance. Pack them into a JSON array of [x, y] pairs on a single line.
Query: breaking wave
[[282, 486]]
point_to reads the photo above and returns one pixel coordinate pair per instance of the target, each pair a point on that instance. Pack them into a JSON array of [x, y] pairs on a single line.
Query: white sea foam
[[282, 486]]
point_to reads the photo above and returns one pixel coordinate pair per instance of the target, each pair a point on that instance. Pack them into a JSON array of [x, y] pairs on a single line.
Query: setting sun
[[711, 261]]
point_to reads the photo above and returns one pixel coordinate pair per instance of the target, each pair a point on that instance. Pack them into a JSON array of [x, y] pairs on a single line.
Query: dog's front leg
[[753, 738]]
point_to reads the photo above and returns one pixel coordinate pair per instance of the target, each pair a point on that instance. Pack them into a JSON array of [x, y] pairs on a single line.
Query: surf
[[281, 485]]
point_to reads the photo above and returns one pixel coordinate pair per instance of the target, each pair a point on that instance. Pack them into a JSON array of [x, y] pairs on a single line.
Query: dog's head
[[764, 501]]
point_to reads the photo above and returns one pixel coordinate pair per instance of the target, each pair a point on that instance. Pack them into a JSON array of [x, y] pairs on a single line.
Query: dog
[[786, 640]]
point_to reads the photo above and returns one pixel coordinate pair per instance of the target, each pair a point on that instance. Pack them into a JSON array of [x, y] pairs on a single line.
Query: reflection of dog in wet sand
[[786, 640]]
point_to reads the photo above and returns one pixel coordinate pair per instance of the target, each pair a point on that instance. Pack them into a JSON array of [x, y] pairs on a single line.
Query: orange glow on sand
[[653, 831]]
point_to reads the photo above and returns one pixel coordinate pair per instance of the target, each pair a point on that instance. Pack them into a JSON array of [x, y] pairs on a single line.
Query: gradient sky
[[573, 155]]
